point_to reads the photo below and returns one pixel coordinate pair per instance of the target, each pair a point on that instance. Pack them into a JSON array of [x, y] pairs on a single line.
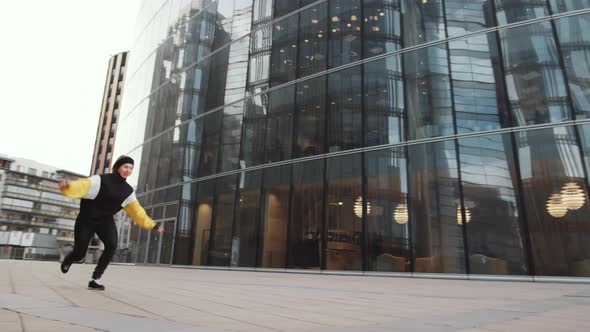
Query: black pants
[[83, 232]]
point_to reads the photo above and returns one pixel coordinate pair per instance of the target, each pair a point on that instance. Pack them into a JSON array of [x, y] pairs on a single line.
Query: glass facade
[[366, 135]]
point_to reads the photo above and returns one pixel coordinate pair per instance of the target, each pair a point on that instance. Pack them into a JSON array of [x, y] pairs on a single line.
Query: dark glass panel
[[428, 93], [534, 77], [562, 6], [345, 121], [584, 132], [223, 212], [344, 213], [384, 102], [167, 242], [275, 214], [478, 84], [254, 130], [202, 222], [423, 22], [381, 27], [465, 16], [312, 40], [284, 7], [279, 124], [309, 125], [434, 202], [495, 237], [345, 32], [388, 228], [556, 201], [512, 11], [223, 22], [231, 133], [210, 147], [305, 227], [186, 222], [284, 51], [217, 79], [574, 42], [247, 216]]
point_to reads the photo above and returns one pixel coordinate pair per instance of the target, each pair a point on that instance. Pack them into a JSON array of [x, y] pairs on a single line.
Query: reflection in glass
[[550, 163], [344, 213], [305, 227], [494, 234], [345, 32], [275, 214], [574, 42], [230, 137], [428, 93], [345, 129], [279, 125], [284, 51], [512, 11], [384, 102], [202, 222], [312, 40], [381, 27], [210, 148], [185, 225], [562, 6], [223, 214], [478, 89], [245, 251], [434, 198], [423, 22], [388, 223], [309, 122], [534, 78], [254, 130]]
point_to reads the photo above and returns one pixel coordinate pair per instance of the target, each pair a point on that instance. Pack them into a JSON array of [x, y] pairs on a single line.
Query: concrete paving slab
[[146, 298]]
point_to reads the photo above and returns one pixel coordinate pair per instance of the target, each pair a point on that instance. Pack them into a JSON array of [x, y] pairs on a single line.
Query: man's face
[[125, 170]]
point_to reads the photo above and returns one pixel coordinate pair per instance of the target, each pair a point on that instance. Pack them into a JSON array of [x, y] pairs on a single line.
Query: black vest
[[113, 191]]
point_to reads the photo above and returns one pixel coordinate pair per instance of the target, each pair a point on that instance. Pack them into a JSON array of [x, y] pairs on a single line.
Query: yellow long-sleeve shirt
[[116, 194]]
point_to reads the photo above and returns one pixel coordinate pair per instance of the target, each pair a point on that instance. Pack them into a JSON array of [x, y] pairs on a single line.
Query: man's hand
[[63, 184], [159, 228]]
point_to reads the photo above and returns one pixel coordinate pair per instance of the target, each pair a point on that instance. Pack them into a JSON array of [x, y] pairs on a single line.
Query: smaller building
[[36, 220]]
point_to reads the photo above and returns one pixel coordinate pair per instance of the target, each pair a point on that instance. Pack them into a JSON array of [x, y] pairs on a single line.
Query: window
[[45, 174], [32, 171]]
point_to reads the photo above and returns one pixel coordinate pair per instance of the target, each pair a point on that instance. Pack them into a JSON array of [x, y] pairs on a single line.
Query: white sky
[[54, 59]]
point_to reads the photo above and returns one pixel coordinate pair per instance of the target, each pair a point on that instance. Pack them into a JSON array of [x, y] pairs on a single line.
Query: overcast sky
[[54, 59]]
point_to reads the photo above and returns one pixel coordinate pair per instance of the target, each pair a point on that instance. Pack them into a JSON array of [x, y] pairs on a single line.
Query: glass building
[[422, 136]]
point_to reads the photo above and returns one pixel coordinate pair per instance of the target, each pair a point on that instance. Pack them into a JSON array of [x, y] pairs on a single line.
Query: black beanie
[[121, 161]]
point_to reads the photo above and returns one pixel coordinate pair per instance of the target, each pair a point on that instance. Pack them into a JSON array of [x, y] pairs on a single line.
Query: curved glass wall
[[369, 135]]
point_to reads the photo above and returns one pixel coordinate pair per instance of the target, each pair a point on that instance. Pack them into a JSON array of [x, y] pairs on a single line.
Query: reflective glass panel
[[345, 117], [556, 201], [495, 235], [222, 239], [574, 43], [434, 202], [344, 213], [384, 102], [305, 226], [534, 78], [388, 219], [275, 214], [245, 252], [309, 121]]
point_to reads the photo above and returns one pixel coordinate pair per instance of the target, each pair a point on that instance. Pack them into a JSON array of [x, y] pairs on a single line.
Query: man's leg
[[83, 231], [107, 233]]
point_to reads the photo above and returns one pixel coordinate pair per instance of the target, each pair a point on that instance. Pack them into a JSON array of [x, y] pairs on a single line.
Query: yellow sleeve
[[77, 189], [139, 216]]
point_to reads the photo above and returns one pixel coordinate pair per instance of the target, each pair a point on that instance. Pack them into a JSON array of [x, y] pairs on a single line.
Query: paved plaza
[[35, 296]]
